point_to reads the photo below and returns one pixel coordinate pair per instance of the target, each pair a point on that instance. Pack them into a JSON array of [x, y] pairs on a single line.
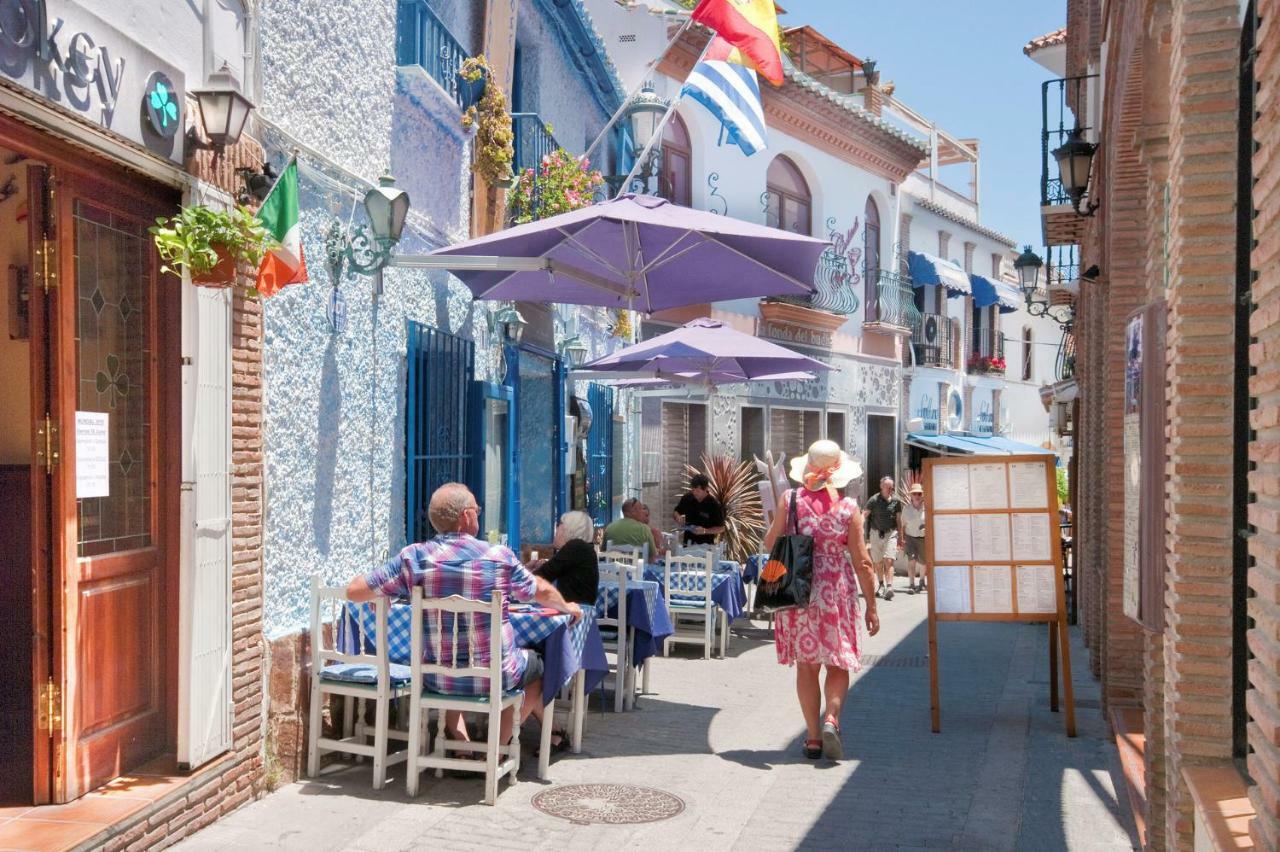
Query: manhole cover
[[609, 804]]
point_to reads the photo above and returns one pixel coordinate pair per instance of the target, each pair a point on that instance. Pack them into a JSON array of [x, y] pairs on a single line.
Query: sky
[[961, 65]]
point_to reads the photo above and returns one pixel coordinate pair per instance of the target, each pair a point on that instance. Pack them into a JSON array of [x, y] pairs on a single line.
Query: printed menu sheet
[[1036, 590], [952, 538], [1027, 486], [951, 589], [1031, 537], [950, 487], [990, 538], [992, 589], [987, 486]]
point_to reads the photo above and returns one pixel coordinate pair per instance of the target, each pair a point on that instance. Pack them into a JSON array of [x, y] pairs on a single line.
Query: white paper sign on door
[[92, 476]]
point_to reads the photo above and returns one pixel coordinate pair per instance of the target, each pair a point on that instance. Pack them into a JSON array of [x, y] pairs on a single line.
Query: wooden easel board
[[993, 552]]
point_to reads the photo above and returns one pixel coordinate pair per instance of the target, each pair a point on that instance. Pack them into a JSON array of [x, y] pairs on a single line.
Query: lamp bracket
[[356, 249]]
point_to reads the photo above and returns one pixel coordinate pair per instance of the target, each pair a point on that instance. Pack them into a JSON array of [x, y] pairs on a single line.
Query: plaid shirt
[[457, 564]]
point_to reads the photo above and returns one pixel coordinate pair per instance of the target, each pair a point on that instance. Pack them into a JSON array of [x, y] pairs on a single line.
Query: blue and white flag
[[732, 93]]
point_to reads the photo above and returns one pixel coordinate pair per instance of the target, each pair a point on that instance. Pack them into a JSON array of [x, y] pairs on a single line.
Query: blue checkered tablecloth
[[607, 596], [755, 564], [647, 614], [727, 590], [566, 647]]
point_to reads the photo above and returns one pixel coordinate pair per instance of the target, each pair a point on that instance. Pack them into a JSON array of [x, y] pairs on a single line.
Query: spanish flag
[[749, 25]]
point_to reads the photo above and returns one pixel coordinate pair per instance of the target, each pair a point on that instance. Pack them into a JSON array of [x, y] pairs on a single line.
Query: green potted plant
[[494, 148], [209, 244]]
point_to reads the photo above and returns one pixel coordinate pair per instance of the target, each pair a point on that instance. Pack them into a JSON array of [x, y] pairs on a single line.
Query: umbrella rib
[[572, 241], [808, 288], [662, 255]]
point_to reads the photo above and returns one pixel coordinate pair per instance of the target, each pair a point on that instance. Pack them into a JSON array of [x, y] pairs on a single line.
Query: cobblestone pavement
[[725, 735]]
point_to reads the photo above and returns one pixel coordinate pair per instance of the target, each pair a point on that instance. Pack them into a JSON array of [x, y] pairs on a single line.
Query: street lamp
[[366, 249], [223, 112], [1028, 266], [508, 323], [644, 116], [574, 351], [1075, 161]]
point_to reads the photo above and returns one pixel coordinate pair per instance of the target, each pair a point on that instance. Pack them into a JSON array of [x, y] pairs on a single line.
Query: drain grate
[[608, 804], [894, 661]]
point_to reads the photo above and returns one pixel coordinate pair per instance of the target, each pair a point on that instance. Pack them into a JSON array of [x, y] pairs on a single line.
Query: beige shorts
[[883, 546]]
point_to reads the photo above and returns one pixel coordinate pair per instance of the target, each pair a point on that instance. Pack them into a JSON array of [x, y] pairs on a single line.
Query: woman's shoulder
[[849, 504]]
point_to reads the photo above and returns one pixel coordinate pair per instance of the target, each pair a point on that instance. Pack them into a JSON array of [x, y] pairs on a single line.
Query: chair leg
[[440, 738], [515, 744], [313, 734], [724, 633], [382, 719], [492, 747], [348, 715], [544, 746], [417, 731], [620, 682], [708, 635], [644, 684], [576, 713]]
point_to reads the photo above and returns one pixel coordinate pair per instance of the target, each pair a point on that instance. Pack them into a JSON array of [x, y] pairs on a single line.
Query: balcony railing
[[1063, 104], [423, 39], [835, 280], [986, 352], [892, 301], [933, 341], [1066, 366], [532, 140]]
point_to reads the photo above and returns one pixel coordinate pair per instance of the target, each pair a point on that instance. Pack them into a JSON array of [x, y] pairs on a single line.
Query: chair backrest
[[619, 573], [457, 616], [634, 563], [703, 550], [353, 636], [639, 551], [685, 565]]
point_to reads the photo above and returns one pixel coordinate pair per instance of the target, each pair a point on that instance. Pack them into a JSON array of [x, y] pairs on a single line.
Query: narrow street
[[723, 736]]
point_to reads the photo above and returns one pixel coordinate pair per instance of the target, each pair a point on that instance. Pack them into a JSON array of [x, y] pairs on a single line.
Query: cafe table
[[573, 655], [727, 589], [647, 617]]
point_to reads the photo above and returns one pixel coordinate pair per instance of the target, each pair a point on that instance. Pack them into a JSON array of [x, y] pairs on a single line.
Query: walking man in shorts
[[911, 529], [881, 518]]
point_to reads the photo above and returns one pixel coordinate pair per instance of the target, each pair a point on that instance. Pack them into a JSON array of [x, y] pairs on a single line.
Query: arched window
[[1027, 357], [676, 177], [789, 202], [871, 258]]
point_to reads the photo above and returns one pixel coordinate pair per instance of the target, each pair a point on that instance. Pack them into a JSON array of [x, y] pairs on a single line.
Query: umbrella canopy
[[644, 253], [703, 349], [659, 379]]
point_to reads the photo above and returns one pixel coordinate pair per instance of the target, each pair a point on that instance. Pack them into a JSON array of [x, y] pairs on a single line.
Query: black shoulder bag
[[788, 575]]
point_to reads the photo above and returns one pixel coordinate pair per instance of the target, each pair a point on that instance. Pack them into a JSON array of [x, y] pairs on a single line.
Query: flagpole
[[621, 110], [292, 159]]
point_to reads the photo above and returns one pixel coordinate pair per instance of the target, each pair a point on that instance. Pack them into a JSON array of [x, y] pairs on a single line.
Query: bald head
[[449, 507]]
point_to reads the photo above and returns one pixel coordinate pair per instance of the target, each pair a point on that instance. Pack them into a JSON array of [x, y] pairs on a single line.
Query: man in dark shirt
[[699, 513], [881, 518]]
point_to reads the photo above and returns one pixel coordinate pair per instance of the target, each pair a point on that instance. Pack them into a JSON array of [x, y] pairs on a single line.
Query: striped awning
[[928, 269], [987, 292]]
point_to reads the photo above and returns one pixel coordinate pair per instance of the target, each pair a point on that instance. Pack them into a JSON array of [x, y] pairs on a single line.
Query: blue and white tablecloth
[[646, 613], [727, 590], [755, 564], [566, 648]]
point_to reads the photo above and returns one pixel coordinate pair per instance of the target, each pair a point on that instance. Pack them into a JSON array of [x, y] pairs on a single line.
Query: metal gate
[[600, 454], [439, 382]]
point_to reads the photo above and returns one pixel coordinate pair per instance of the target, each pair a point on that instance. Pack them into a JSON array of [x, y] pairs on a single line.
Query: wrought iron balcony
[[422, 39], [933, 341], [532, 141], [1063, 105], [895, 301], [986, 353], [835, 280], [1066, 362]]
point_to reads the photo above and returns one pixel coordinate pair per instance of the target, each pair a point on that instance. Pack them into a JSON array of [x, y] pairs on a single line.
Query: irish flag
[[749, 25], [284, 264]]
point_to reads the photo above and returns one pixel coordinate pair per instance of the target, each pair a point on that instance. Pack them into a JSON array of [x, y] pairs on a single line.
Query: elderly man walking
[[881, 516], [455, 562]]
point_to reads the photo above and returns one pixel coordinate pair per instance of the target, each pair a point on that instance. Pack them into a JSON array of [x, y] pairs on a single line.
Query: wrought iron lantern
[[223, 112], [575, 351], [387, 207], [509, 324], [1075, 163]]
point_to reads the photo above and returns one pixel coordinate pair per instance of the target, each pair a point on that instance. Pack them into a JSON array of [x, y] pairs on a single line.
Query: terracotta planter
[[222, 275]]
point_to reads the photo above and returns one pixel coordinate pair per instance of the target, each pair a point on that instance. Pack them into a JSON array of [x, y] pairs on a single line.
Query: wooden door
[[110, 328]]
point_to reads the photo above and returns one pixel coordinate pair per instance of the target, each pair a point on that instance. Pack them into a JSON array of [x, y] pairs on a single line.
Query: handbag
[[787, 576]]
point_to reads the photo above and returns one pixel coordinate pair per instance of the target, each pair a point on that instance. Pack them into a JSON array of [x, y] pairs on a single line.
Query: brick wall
[[1264, 450]]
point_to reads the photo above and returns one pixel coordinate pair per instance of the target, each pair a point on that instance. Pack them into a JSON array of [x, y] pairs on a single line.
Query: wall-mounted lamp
[[574, 351], [508, 323], [1075, 162], [1028, 266], [644, 115], [367, 248], [223, 112], [870, 73]]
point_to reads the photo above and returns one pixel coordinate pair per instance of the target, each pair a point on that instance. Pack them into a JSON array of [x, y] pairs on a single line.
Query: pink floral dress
[[826, 631]]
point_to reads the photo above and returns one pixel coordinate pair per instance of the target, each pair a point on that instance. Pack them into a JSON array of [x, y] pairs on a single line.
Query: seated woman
[[574, 568]]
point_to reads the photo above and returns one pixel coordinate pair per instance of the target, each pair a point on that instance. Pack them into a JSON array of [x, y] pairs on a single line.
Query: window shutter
[[204, 687], [651, 453], [675, 449]]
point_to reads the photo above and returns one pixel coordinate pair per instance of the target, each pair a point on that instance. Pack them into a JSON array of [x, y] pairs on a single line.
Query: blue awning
[[987, 292], [928, 269], [974, 445]]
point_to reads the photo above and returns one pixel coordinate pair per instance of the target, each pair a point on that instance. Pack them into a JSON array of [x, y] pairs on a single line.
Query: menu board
[[950, 488], [988, 486]]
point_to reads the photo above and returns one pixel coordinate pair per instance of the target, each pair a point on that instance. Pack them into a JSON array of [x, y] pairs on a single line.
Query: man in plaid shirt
[[455, 562]]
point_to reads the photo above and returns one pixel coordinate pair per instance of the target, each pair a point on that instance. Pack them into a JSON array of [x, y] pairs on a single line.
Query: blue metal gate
[[439, 383], [600, 454]]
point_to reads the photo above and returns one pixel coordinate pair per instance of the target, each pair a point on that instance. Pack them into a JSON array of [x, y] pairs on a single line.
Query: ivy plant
[[492, 124], [198, 238]]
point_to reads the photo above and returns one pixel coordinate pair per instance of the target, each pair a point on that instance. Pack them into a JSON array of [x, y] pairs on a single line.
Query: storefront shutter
[[204, 689], [651, 454]]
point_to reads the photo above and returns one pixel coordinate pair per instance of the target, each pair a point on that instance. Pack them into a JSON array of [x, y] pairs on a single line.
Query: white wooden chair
[[690, 607], [635, 551], [618, 636], [463, 617], [357, 676], [633, 561]]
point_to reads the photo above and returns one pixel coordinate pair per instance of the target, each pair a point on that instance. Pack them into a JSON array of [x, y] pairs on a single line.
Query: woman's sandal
[[813, 749], [563, 745], [832, 747]]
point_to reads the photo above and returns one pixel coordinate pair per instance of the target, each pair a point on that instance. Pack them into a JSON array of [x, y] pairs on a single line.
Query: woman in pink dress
[[825, 633]]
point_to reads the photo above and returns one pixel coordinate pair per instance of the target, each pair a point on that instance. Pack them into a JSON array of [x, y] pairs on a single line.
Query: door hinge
[[50, 706], [46, 253], [47, 453]]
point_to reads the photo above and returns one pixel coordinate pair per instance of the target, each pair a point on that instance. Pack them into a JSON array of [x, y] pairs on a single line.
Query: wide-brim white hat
[[823, 454]]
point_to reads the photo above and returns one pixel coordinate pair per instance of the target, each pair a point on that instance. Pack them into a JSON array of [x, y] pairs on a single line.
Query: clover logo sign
[[160, 102]]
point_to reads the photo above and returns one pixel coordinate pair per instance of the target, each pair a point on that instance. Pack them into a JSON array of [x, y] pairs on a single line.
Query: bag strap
[[795, 521]]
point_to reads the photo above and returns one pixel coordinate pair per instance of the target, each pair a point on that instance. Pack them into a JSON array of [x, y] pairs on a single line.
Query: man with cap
[[911, 533]]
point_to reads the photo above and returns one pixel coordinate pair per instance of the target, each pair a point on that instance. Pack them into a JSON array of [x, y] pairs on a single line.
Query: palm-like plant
[[734, 486], [904, 487]]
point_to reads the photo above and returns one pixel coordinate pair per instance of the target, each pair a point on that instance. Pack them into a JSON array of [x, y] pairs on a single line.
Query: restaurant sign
[[69, 56], [927, 411]]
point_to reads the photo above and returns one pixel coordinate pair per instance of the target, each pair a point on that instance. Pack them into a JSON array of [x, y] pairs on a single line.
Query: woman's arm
[[778, 525], [862, 567]]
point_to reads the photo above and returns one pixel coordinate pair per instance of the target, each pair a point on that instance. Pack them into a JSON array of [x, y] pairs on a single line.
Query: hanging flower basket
[[489, 119], [471, 83], [209, 245], [221, 274]]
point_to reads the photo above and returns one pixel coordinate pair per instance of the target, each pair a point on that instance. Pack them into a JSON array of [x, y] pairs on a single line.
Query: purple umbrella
[[650, 381], [639, 252], [705, 350]]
